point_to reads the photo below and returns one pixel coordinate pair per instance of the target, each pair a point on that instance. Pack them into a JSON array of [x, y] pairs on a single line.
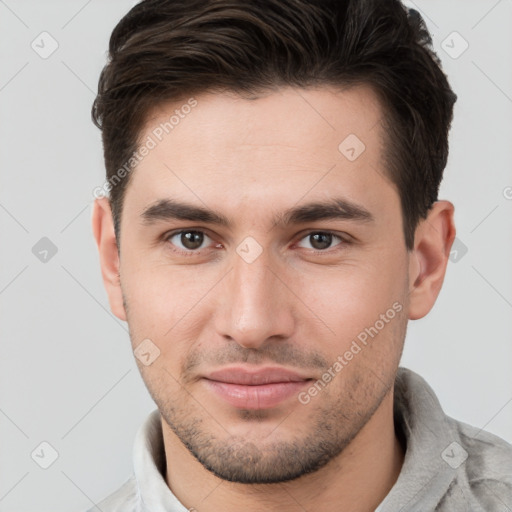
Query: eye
[[191, 241], [188, 240], [321, 240]]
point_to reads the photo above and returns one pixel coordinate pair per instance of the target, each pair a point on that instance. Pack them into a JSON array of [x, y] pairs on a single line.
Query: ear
[[427, 262], [104, 234]]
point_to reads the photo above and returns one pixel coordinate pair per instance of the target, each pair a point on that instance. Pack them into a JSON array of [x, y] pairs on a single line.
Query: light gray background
[[67, 375]]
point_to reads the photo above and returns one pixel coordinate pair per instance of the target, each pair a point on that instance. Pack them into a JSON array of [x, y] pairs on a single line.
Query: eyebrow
[[336, 208]]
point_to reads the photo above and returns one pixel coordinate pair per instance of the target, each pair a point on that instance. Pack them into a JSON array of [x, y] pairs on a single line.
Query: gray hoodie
[[449, 466]]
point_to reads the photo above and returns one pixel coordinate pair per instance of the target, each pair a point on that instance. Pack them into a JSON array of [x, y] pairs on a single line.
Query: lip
[[259, 388], [255, 376]]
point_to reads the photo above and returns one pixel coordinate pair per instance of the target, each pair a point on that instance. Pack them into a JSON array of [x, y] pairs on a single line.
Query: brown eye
[[188, 240], [321, 240]]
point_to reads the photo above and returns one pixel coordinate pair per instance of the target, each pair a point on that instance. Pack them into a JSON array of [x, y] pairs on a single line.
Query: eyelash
[[343, 241]]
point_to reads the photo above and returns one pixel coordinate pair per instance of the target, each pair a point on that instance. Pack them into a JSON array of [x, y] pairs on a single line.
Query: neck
[[358, 479]]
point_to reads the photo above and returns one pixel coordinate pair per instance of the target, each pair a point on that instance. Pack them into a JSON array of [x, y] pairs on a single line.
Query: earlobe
[[429, 258], [104, 234]]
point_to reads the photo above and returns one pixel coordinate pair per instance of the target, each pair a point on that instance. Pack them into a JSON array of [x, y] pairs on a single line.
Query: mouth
[[264, 388]]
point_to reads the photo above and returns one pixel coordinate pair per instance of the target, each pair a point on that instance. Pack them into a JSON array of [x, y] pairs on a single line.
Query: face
[[293, 279]]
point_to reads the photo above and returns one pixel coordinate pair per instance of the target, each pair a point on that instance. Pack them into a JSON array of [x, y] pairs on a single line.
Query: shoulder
[[125, 499], [488, 466]]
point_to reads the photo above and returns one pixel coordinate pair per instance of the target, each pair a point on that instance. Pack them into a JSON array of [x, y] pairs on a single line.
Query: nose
[[255, 303]]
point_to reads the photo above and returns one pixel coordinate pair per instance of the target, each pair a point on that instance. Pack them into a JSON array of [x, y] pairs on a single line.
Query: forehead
[[308, 118], [231, 150]]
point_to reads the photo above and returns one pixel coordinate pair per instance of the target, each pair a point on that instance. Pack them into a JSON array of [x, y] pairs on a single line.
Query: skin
[[292, 306]]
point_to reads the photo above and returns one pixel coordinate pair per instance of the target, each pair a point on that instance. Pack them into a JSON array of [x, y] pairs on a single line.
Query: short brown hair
[[166, 50]]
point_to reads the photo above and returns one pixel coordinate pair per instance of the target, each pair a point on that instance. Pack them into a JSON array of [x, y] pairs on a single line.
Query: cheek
[[351, 298], [162, 300], [148, 284]]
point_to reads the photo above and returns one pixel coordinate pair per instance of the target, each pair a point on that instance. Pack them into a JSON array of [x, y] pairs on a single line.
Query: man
[[271, 226]]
